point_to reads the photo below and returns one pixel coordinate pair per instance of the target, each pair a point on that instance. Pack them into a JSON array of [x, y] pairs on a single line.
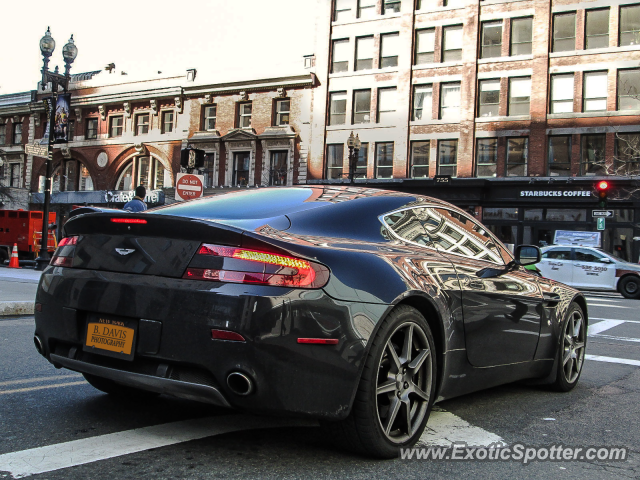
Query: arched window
[[146, 171], [71, 175]]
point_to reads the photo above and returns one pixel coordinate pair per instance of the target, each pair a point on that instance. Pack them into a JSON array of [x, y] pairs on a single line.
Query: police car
[[590, 268]]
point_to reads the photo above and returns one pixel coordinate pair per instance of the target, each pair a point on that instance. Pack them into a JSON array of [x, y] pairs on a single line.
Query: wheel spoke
[[407, 408], [408, 344], [577, 327], [393, 413], [568, 340], [418, 391], [386, 387], [394, 355], [419, 360], [569, 368], [567, 356], [578, 345]]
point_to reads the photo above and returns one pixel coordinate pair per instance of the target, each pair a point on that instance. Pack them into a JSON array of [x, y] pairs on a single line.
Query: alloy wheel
[[404, 382], [573, 346]]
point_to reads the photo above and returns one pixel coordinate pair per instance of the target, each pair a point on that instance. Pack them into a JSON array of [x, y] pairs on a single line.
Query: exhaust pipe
[[38, 343], [239, 383]]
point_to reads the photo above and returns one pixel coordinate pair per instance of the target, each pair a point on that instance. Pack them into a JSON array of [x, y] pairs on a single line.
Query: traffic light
[[602, 189]]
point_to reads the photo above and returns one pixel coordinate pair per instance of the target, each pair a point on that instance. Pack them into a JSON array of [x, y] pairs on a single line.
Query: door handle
[[550, 299]]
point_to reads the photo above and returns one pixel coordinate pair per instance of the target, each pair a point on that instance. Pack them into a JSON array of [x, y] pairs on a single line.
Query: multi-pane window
[[14, 175], [283, 108], [387, 103], [486, 157], [244, 115], [337, 108], [340, 56], [629, 89], [489, 98], [521, 36], [142, 124], [594, 91], [366, 8], [627, 159], [17, 133], [116, 125], [420, 152], [85, 182], [167, 122], [362, 106], [452, 43], [425, 46], [597, 29], [278, 170], [562, 93], [592, 155], [560, 156], [71, 130], [422, 101], [448, 157], [210, 117], [146, 171], [3, 133], [519, 95], [335, 157], [517, 156], [208, 170], [389, 47], [342, 10], [450, 101], [390, 6], [564, 32], [384, 160], [629, 25], [491, 39], [363, 160], [364, 53], [91, 132]]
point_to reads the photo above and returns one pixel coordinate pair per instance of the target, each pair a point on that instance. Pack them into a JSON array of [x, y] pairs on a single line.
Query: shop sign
[[123, 196], [572, 237], [556, 193]]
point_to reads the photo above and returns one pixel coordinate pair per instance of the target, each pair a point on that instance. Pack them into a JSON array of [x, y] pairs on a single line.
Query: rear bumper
[[177, 355]]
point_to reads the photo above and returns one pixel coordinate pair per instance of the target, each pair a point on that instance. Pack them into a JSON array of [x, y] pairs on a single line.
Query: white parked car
[[590, 268]]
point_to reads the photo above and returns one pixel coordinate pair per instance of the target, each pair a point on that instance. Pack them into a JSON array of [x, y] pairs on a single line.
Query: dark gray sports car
[[356, 306]]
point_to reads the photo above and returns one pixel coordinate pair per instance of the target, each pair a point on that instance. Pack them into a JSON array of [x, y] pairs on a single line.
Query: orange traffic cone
[[13, 263]]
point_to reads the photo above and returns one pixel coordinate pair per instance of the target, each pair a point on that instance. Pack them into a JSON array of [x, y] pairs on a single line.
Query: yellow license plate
[[110, 336]]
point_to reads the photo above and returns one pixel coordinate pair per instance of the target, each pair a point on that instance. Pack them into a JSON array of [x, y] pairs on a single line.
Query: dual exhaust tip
[[240, 384], [38, 343]]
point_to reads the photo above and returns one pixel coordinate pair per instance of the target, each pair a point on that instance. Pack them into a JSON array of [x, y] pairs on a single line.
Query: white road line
[[41, 387], [607, 305], [625, 321], [444, 429], [39, 379], [614, 337], [17, 323], [603, 325], [623, 361]]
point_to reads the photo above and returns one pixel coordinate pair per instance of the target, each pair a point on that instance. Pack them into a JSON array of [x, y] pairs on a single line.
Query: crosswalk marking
[[39, 379], [623, 361], [41, 387], [443, 428], [603, 325]]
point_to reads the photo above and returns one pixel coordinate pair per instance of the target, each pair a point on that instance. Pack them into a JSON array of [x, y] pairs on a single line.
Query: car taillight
[[140, 221], [63, 256], [241, 265]]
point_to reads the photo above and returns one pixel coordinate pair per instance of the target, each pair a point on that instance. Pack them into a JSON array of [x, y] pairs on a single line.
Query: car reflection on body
[[359, 307], [590, 268]]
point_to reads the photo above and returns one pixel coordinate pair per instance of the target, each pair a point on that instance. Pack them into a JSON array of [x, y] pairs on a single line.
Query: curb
[[16, 308]]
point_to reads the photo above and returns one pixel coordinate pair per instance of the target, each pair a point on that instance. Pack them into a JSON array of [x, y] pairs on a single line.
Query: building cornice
[[298, 81]]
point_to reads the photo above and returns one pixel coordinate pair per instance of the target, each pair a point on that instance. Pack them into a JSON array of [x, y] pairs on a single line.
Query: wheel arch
[[582, 302], [626, 275]]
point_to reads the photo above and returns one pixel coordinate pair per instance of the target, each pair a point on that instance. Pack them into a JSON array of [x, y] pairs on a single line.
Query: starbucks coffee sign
[[556, 193]]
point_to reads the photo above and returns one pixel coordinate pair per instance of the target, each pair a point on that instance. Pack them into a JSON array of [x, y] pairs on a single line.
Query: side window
[[558, 254], [409, 225], [584, 255], [468, 238]]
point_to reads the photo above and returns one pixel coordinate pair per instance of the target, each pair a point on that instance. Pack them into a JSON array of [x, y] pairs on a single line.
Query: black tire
[[571, 349], [399, 376], [629, 286], [116, 390]]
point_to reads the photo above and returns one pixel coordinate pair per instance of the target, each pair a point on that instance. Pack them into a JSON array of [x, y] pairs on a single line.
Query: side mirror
[[605, 260], [527, 255]]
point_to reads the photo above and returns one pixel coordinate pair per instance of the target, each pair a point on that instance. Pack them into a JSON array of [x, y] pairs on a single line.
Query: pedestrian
[[137, 203]]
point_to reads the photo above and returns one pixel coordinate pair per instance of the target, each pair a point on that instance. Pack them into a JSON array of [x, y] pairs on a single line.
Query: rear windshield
[[251, 204]]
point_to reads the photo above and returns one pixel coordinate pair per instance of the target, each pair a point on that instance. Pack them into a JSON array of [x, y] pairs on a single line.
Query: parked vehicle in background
[[590, 268], [23, 228]]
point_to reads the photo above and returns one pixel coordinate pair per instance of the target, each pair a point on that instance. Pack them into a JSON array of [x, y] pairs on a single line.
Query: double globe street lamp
[[69, 54]]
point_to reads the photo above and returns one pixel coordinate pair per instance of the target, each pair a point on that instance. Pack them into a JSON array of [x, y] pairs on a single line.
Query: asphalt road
[[41, 406]]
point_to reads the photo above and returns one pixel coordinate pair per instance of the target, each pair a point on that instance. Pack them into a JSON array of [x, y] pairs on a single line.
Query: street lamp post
[[69, 53], [354, 145]]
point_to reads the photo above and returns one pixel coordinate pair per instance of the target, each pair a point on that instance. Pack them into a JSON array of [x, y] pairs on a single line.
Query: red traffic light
[[603, 185]]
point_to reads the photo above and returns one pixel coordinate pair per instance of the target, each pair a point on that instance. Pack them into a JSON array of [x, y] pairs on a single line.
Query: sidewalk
[[18, 290]]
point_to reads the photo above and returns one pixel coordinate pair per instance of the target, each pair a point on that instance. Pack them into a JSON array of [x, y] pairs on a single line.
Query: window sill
[[514, 58], [416, 123], [512, 118], [359, 126], [372, 71], [617, 113], [431, 66], [365, 20], [438, 9], [595, 51]]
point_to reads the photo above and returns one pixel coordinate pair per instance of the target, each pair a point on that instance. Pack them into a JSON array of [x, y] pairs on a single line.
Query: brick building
[[522, 103]]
